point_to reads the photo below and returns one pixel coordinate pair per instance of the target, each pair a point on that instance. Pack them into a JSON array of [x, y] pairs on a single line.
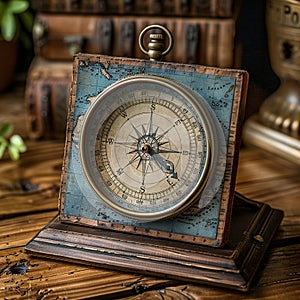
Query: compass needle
[[163, 143], [132, 161], [145, 166], [168, 151], [165, 165], [150, 125], [133, 151], [129, 144], [155, 132], [144, 130], [165, 133], [139, 134], [135, 138]]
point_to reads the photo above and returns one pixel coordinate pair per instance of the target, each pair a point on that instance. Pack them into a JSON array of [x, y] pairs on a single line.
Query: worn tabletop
[[28, 201]]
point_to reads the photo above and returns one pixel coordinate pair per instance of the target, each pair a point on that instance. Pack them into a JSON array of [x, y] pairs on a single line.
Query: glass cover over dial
[[147, 147]]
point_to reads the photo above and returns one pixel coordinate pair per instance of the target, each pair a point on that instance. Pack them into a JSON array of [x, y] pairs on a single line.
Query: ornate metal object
[[277, 126], [281, 110]]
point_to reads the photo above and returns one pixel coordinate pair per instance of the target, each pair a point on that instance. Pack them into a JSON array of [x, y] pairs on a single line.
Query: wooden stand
[[253, 227]]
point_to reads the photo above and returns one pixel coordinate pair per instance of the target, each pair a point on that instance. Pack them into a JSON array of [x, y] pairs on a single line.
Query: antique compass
[[149, 171], [155, 147]]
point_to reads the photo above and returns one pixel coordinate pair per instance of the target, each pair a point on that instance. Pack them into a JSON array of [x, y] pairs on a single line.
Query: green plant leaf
[[8, 26], [13, 152], [6, 130], [3, 145], [17, 6], [14, 143], [18, 142]]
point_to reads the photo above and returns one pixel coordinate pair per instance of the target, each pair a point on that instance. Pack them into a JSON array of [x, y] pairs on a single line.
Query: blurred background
[[48, 33]]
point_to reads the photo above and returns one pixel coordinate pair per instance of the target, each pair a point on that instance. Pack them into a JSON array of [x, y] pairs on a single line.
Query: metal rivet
[[259, 238]]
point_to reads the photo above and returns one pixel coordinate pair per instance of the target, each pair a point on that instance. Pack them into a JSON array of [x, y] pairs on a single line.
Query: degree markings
[[148, 131]]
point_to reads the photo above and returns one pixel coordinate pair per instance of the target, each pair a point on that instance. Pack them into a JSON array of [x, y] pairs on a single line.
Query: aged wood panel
[[17, 231], [49, 279], [269, 179], [52, 279], [32, 183]]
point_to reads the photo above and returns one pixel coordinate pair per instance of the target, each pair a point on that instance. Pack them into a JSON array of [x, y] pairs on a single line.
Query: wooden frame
[[231, 85]]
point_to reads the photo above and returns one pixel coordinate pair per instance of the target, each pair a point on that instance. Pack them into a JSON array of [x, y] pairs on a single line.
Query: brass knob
[[156, 44]]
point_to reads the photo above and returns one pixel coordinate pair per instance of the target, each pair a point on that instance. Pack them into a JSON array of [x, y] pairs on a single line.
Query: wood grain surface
[[28, 201]]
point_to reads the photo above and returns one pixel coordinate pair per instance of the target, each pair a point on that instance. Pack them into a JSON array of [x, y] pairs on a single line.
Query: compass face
[[146, 147]]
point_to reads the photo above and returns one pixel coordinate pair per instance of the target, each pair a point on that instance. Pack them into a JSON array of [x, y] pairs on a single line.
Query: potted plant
[[13, 143], [16, 23]]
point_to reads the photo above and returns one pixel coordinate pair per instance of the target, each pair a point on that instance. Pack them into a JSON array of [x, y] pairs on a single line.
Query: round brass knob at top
[[156, 46]]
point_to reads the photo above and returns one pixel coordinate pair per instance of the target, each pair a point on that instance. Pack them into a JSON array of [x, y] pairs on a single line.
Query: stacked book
[[203, 33]]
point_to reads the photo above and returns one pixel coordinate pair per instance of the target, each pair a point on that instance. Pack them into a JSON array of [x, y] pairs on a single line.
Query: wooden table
[[28, 201]]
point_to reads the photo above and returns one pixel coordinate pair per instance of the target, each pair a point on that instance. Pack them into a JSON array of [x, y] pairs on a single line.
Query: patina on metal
[[281, 111], [276, 128]]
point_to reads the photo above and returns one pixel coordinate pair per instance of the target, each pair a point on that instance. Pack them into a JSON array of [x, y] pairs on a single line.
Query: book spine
[[191, 8], [226, 54], [46, 96], [212, 43], [207, 41]]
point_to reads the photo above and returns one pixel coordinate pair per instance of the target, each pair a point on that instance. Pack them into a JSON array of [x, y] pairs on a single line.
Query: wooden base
[[253, 227], [273, 141]]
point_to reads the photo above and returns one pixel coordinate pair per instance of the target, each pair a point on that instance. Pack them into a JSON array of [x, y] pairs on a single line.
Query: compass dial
[[146, 146]]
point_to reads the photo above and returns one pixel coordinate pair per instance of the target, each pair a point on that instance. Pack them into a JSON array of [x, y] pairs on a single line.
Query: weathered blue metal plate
[[223, 91]]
